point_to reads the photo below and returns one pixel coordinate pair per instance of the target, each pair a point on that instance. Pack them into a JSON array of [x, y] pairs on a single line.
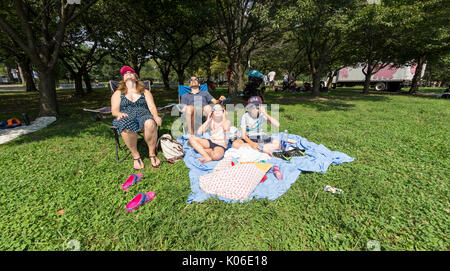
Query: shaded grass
[[396, 191]]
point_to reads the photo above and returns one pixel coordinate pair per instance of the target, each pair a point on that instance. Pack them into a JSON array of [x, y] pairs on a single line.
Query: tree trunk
[[22, 78], [241, 84], [87, 81], [164, 69], [27, 73], [367, 75], [367, 82], [330, 79], [78, 78], [316, 83], [417, 76], [233, 86], [47, 89], [180, 74], [10, 76]]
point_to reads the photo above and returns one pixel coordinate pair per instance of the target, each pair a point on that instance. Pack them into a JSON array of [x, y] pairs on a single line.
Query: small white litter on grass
[[36, 125], [333, 190]]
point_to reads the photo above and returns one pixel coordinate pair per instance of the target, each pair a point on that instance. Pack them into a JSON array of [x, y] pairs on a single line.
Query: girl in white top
[[213, 148]]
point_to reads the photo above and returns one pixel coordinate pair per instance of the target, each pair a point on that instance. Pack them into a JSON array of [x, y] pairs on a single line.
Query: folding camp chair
[[98, 114]]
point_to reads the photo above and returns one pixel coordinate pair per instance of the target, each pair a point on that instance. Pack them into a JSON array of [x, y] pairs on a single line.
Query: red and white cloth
[[233, 182]]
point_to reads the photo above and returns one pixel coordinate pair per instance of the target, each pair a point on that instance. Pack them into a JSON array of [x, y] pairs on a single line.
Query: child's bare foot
[[205, 159]]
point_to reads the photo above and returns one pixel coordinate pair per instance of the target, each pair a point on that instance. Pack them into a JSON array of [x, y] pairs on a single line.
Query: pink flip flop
[[139, 200], [134, 178], [263, 179], [277, 172]]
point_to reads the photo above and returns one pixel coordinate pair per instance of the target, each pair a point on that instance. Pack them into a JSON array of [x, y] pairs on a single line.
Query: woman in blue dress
[[135, 111]]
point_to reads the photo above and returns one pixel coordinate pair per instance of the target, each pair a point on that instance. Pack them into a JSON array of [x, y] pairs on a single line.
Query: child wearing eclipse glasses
[[215, 147], [252, 128]]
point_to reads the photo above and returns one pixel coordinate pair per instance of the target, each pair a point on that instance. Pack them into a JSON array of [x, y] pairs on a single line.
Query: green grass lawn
[[62, 183]]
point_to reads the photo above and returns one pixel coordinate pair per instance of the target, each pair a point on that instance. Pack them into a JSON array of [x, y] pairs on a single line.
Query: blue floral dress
[[137, 111]]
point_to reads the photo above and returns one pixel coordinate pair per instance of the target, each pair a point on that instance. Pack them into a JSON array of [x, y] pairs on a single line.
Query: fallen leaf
[[60, 212]]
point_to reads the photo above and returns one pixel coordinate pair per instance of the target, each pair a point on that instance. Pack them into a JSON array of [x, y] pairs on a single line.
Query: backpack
[[172, 150], [10, 123]]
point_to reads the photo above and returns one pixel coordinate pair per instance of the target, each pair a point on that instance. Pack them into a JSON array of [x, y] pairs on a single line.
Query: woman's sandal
[[134, 178], [154, 158], [139, 200], [138, 159]]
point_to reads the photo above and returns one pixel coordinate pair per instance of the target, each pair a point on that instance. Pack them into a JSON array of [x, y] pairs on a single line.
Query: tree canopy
[[172, 39]]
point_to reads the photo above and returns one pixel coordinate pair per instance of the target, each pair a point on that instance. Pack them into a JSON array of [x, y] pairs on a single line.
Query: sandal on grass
[[139, 200], [134, 178], [140, 163], [154, 158]]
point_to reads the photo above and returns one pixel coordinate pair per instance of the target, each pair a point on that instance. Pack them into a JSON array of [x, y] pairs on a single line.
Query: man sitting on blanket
[[205, 98], [252, 128]]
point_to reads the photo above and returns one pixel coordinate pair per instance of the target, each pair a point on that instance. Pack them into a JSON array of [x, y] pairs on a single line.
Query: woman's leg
[[201, 145], [130, 138], [150, 137]]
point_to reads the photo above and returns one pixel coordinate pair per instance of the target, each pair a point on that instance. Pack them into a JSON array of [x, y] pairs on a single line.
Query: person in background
[[271, 77], [285, 81]]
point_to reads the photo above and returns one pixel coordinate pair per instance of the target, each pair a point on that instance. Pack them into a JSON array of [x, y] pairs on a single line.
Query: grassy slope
[[395, 191]]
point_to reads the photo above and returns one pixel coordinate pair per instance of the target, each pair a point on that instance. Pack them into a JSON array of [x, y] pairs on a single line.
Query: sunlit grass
[[62, 183]]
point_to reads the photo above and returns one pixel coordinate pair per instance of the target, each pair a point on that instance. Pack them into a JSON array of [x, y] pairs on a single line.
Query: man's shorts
[[272, 83], [203, 111], [261, 139]]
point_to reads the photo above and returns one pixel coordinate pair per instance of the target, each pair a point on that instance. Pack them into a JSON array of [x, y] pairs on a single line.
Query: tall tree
[[368, 39], [423, 32], [241, 31], [134, 31], [10, 48], [43, 24], [88, 41], [179, 39], [318, 24]]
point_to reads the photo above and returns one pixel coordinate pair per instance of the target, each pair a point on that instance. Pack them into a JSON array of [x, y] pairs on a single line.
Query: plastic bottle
[[284, 137]]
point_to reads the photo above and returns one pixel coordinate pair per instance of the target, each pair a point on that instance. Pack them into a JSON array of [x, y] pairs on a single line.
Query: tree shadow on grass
[[72, 121], [331, 101]]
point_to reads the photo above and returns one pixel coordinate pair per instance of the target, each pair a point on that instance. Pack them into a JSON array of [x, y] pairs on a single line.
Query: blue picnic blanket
[[318, 158]]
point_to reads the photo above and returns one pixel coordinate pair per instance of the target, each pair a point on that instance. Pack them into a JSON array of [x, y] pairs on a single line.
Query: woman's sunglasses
[[217, 109], [195, 79]]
